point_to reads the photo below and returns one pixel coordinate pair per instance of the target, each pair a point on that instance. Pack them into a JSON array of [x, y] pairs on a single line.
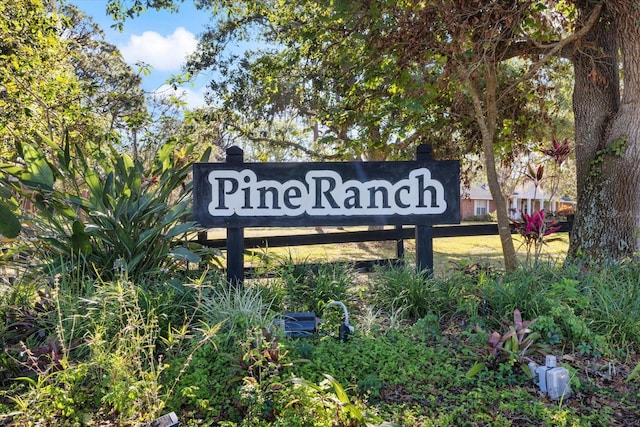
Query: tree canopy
[[342, 68], [38, 89], [71, 173], [464, 76], [64, 93]]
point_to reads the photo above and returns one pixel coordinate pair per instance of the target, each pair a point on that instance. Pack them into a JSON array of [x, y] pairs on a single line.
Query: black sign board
[[237, 194]]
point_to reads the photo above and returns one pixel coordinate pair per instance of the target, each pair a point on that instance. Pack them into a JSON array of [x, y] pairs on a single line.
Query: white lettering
[[324, 193]]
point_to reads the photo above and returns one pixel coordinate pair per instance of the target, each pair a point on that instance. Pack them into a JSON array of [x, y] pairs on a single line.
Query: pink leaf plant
[[559, 151], [534, 229]]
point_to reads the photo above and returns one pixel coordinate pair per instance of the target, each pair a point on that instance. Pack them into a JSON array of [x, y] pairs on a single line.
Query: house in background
[[525, 198], [476, 201]]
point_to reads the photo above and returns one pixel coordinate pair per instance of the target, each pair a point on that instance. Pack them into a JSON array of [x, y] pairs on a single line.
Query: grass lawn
[[449, 252]]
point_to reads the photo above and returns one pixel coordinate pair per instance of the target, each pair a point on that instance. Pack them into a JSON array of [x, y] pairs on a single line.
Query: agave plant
[[107, 215]]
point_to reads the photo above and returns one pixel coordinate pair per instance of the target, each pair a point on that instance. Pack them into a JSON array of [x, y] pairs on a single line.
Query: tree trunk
[[486, 117], [607, 137]]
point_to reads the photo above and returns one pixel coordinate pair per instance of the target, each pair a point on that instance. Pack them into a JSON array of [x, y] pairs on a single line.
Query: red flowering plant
[[534, 230]]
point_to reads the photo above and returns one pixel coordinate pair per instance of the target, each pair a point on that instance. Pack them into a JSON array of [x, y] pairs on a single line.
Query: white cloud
[[193, 98], [165, 53]]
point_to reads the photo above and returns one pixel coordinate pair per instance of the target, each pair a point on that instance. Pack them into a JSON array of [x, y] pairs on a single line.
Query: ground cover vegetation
[[88, 351]]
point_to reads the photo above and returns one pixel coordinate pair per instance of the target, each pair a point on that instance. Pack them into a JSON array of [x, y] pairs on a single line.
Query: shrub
[[109, 215], [97, 355], [119, 373], [481, 218]]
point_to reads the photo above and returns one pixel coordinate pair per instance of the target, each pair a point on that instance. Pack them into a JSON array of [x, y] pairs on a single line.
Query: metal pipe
[[346, 313]]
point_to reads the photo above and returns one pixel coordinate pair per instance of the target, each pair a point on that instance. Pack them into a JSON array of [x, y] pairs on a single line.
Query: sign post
[[424, 233], [235, 235], [235, 195]]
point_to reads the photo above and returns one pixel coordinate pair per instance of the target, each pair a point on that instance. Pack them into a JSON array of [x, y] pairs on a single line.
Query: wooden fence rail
[[398, 234]]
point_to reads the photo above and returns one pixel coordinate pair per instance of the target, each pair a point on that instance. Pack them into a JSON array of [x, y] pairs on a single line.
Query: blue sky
[[160, 39]]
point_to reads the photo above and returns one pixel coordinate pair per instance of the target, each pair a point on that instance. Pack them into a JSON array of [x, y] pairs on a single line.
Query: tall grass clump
[[310, 287], [614, 304], [402, 287], [237, 308], [122, 342], [520, 289]]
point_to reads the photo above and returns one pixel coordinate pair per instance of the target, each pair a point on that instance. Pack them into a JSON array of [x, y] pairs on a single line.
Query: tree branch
[[283, 143], [557, 47]]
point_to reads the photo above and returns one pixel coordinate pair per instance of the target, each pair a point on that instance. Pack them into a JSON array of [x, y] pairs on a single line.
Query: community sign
[[238, 194]]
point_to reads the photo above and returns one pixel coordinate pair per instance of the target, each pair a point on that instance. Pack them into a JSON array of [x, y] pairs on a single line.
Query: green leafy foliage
[[80, 347], [613, 306], [338, 402], [310, 287], [61, 84], [9, 224], [113, 216], [114, 351], [370, 98]]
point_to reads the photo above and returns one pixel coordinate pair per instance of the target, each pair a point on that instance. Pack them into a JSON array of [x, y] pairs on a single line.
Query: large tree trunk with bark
[[607, 136]]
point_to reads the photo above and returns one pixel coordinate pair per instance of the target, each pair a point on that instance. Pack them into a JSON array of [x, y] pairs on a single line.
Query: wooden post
[[424, 248], [235, 235], [399, 245], [424, 233]]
